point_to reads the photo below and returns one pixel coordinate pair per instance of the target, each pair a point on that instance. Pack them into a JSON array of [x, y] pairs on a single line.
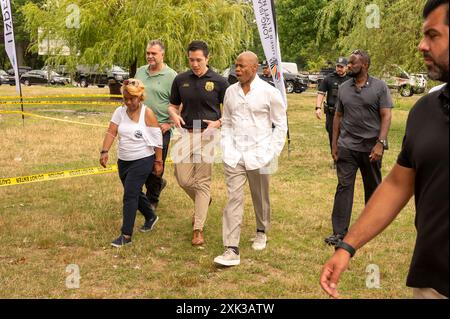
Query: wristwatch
[[384, 143]]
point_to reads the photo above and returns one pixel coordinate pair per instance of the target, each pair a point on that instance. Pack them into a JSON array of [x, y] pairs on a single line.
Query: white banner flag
[[265, 19], [10, 45]]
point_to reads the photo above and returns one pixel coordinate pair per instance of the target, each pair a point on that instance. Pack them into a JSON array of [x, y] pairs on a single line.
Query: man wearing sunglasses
[[360, 128], [422, 170]]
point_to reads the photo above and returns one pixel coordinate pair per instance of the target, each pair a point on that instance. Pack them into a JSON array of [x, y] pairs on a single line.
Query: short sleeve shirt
[[426, 150], [201, 97], [330, 86], [360, 108], [157, 90]]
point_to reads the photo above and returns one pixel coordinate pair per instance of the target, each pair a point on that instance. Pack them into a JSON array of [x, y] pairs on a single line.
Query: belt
[[191, 130]]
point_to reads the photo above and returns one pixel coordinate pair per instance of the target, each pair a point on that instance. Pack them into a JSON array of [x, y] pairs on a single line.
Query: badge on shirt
[[138, 134], [209, 86], [185, 85]]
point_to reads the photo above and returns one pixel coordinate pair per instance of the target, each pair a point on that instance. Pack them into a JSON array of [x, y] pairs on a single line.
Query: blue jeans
[[133, 175]]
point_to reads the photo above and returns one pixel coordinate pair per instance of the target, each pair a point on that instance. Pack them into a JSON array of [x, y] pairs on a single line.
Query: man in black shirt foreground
[[200, 91], [422, 170]]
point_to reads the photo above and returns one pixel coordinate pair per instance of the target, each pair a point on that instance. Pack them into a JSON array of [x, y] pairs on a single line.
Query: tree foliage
[[117, 31], [396, 39], [297, 31]]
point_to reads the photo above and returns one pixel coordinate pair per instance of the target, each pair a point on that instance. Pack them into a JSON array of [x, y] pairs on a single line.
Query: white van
[[290, 67]]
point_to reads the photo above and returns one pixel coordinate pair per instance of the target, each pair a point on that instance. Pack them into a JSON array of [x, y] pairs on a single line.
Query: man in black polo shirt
[[329, 87], [200, 91], [360, 129], [422, 170]]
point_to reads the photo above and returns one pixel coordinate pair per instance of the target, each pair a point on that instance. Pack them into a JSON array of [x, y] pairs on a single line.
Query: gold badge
[[209, 86], [185, 85]]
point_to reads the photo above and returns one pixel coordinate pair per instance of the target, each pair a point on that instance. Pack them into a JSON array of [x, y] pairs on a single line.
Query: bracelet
[[103, 151], [346, 247], [158, 161], [318, 108]]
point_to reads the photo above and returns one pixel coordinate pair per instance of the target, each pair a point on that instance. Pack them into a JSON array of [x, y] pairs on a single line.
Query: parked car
[[323, 74], [5, 78], [21, 69], [293, 82], [43, 77], [406, 84], [87, 75]]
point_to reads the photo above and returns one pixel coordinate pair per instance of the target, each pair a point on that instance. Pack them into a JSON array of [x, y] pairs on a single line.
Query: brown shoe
[[197, 237]]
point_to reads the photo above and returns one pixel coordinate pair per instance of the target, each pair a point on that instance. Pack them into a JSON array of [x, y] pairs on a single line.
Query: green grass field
[[46, 226]]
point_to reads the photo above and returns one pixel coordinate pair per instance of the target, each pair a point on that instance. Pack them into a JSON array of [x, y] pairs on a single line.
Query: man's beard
[[437, 71], [353, 74]]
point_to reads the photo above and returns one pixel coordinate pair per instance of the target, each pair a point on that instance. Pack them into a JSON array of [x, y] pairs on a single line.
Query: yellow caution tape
[[50, 118], [56, 175], [17, 97], [62, 103]]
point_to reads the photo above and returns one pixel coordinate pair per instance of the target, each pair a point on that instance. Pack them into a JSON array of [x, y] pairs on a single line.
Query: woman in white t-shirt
[[139, 153]]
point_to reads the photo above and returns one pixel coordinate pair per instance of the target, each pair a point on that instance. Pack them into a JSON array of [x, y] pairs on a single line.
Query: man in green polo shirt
[[157, 78]]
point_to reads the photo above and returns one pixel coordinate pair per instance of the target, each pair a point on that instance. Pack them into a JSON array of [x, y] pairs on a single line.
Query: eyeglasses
[[358, 89], [358, 52]]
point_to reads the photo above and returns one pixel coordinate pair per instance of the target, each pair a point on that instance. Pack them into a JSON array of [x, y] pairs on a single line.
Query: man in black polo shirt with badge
[[200, 91], [329, 87], [422, 170]]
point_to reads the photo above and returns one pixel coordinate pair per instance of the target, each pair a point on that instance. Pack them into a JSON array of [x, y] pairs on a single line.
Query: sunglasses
[[134, 83]]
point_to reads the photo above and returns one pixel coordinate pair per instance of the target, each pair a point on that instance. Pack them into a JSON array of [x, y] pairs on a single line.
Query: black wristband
[[318, 108], [347, 247], [103, 152]]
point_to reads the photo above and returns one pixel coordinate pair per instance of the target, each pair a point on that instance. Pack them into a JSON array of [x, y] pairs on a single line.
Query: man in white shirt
[[249, 145]]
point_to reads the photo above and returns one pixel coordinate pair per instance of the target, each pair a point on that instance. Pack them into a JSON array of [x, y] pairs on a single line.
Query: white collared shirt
[[247, 132]]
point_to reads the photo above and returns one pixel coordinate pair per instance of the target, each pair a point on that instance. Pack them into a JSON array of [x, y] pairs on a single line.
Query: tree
[[117, 31], [22, 37], [297, 27], [393, 41]]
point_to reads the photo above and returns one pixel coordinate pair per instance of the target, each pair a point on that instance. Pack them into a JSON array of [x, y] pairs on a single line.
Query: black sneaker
[[121, 241], [148, 225], [334, 239]]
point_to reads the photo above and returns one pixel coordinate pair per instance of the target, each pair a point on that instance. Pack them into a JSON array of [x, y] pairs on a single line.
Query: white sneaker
[[229, 258], [259, 243]]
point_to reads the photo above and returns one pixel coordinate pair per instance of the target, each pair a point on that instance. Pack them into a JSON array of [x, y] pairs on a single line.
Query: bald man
[[249, 145]]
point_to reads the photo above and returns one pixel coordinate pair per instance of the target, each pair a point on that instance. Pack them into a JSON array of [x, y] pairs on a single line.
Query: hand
[[334, 152], [212, 126], [319, 113], [165, 127], [377, 152], [157, 168], [103, 159], [332, 270], [177, 120]]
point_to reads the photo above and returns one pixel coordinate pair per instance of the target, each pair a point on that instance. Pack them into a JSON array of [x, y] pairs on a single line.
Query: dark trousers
[[133, 175], [347, 166], [329, 126], [153, 182]]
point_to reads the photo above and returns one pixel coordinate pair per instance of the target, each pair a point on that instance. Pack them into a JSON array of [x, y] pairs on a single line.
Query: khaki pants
[[234, 211], [427, 293], [193, 157]]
